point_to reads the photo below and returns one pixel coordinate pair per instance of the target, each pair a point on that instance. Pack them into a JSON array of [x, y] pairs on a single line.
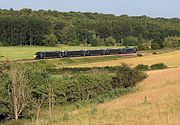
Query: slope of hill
[[156, 102]]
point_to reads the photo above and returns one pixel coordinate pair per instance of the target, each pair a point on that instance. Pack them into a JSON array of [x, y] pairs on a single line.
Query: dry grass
[[157, 102], [171, 59]]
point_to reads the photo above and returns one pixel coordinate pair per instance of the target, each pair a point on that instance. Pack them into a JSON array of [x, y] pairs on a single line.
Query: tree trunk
[[50, 100]]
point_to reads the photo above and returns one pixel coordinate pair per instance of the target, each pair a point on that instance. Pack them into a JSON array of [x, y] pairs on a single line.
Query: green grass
[[27, 52], [65, 62]]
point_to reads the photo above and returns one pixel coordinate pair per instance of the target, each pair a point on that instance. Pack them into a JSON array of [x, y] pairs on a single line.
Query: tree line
[[29, 27]]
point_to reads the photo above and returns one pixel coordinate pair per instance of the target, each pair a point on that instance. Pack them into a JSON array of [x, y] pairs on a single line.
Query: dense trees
[[23, 90], [22, 30], [28, 27]]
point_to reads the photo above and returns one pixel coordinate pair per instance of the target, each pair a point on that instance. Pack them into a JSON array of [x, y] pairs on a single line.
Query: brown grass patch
[[156, 103]]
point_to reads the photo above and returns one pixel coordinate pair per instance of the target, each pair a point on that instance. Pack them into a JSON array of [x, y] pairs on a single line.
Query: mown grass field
[[27, 52], [156, 102]]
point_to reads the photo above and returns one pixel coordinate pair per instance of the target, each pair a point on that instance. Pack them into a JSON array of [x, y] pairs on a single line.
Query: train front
[[37, 55]]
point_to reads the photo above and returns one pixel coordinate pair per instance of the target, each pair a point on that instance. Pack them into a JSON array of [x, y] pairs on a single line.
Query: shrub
[[110, 41], [142, 67], [143, 44], [155, 53], [81, 86], [127, 77], [139, 54], [158, 66], [130, 41]]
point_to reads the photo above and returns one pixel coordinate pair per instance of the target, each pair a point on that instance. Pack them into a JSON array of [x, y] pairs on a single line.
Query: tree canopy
[[30, 27]]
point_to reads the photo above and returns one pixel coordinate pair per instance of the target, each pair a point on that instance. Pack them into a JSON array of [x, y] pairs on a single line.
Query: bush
[[130, 41], [158, 66], [81, 86], [155, 53], [143, 46], [110, 41], [139, 54], [50, 40], [127, 77], [142, 67]]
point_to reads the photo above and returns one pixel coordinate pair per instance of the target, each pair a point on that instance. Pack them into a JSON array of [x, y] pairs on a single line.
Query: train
[[79, 53]]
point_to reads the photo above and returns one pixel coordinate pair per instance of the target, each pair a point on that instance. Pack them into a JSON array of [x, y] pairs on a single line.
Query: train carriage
[[79, 53]]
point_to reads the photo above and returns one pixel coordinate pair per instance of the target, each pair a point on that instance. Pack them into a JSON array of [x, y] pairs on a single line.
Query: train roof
[[79, 50]]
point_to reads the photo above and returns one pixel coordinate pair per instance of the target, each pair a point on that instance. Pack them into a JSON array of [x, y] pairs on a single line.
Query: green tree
[[69, 35], [130, 41], [110, 41], [127, 77], [172, 42], [50, 40]]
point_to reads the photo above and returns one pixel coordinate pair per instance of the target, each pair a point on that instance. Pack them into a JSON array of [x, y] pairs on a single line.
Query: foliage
[[17, 30], [172, 42], [28, 27], [56, 71], [97, 85], [127, 77], [111, 94], [130, 41], [110, 41], [143, 44], [158, 66], [157, 45], [142, 67], [21, 87], [69, 35], [4, 104], [50, 40], [81, 86]]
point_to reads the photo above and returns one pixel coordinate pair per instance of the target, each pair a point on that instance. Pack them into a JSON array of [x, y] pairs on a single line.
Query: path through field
[[171, 59], [157, 102]]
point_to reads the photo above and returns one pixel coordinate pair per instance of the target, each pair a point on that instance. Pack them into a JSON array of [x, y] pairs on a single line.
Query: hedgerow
[[158, 66]]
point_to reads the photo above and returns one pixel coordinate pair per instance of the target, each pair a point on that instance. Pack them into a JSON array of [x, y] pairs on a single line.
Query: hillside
[[156, 102]]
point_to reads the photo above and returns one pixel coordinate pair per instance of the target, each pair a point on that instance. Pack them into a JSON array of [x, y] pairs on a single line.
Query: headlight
[[35, 56]]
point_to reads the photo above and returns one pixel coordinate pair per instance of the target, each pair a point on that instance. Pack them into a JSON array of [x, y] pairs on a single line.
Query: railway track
[[34, 60]]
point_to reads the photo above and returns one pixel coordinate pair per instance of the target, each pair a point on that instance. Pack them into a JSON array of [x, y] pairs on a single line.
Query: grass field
[[27, 52], [156, 102], [172, 59]]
